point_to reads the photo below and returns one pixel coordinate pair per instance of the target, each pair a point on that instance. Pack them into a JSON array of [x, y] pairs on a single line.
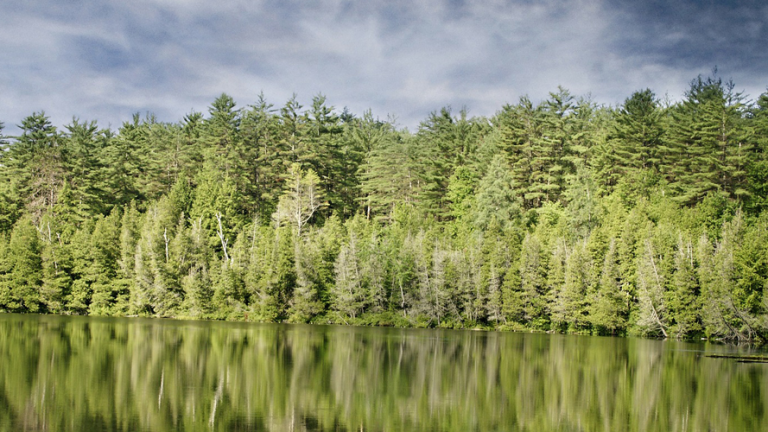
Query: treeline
[[649, 218]]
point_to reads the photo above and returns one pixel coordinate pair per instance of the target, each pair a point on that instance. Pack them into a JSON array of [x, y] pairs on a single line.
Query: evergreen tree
[[711, 142], [20, 289], [260, 129], [307, 296], [608, 306], [391, 175], [34, 163], [520, 138], [83, 144], [758, 163], [348, 295], [637, 152], [123, 161], [571, 306], [683, 301], [496, 197]]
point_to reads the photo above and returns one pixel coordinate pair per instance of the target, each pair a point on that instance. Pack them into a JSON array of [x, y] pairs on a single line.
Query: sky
[[402, 59]]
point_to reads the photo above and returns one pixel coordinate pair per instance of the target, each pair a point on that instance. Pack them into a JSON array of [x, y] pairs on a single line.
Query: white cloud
[[104, 61]]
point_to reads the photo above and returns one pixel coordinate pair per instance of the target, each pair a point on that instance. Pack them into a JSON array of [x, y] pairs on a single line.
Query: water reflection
[[71, 374]]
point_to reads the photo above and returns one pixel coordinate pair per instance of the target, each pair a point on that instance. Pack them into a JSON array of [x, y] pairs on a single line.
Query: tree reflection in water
[[71, 373]]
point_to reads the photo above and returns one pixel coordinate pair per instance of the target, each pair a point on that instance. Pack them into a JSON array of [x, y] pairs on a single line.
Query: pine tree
[[195, 280], [684, 301], [106, 254], [123, 161], [608, 306], [572, 305], [57, 266], [758, 163], [260, 129], [637, 151], [496, 197], [520, 138], [348, 295], [307, 301], [20, 289], [391, 175], [444, 142], [652, 280], [34, 163], [527, 302], [711, 142], [83, 144], [10, 200]]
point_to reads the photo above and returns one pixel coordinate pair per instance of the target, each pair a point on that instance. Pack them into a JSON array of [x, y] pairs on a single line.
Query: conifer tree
[[391, 175], [637, 152], [711, 142], [348, 295], [533, 281], [608, 306], [260, 128], [758, 164], [106, 254], [496, 197], [196, 281], [34, 164], [307, 301], [520, 138], [83, 144], [572, 305], [652, 279], [124, 165], [20, 289], [683, 301]]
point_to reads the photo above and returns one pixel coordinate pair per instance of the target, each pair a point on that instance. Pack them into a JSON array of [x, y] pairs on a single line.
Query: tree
[[20, 288], [520, 137], [637, 152], [34, 162], [348, 296], [307, 296], [83, 144], [758, 163], [301, 200], [10, 201], [443, 143], [684, 300], [608, 306], [711, 142], [652, 279], [571, 306], [390, 176], [525, 295], [496, 197]]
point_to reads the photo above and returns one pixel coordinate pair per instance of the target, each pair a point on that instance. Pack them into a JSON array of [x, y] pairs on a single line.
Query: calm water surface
[[92, 374]]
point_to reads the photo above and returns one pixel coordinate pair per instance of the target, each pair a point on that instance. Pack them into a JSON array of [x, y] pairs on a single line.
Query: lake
[[102, 374]]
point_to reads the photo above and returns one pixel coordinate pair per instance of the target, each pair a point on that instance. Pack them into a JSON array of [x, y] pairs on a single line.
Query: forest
[[649, 218]]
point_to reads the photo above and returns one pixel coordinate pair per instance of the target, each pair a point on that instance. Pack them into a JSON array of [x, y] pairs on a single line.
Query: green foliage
[[23, 270], [496, 199], [560, 216]]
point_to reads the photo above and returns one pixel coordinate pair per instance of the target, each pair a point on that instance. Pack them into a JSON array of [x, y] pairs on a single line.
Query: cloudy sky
[[106, 60]]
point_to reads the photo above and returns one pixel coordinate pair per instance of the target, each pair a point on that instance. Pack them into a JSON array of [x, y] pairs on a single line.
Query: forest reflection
[[74, 373]]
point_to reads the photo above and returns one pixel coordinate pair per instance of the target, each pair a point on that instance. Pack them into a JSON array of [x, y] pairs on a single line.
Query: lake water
[[94, 374]]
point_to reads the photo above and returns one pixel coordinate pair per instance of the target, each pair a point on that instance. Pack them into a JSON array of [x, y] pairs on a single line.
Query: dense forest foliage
[[648, 218]]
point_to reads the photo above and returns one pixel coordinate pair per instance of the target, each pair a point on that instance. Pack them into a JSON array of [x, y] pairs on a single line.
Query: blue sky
[[105, 60]]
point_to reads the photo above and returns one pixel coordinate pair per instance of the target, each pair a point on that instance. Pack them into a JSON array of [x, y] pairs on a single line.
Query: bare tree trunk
[[220, 232]]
